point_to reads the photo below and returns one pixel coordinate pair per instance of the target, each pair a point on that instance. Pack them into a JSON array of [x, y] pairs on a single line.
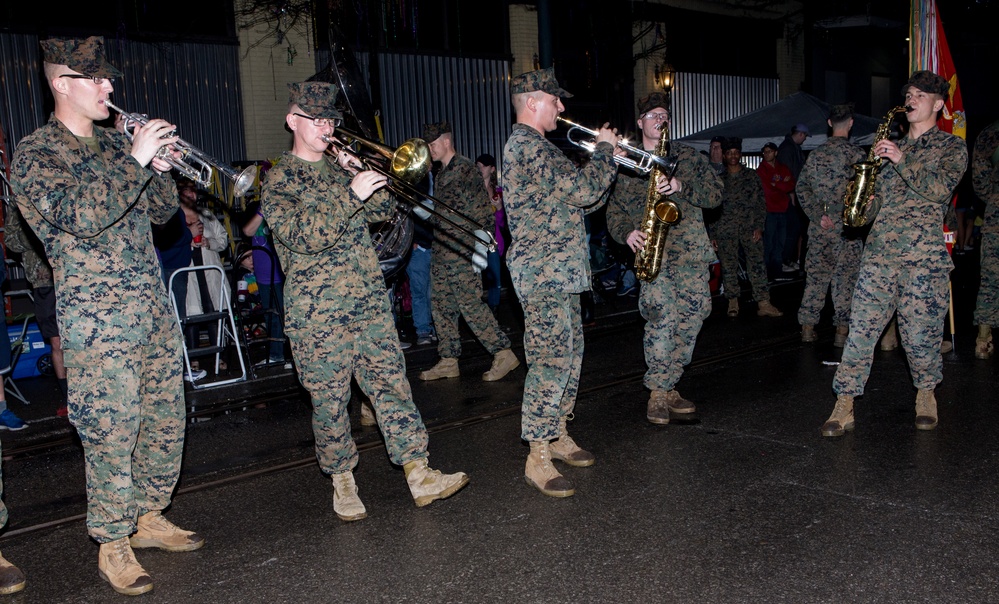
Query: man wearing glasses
[[337, 314], [677, 301], [89, 194]]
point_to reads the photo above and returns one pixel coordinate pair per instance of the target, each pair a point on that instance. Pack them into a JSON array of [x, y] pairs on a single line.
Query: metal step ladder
[[226, 334]]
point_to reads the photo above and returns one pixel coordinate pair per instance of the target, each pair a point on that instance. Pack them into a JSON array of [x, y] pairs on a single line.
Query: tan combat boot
[[926, 410], [11, 578], [565, 449], [841, 420], [116, 564], [346, 503], [733, 307], [445, 368], [808, 333], [983, 344], [658, 410], [428, 485], [153, 530], [541, 473], [766, 309], [890, 340], [368, 415], [503, 363], [842, 331]]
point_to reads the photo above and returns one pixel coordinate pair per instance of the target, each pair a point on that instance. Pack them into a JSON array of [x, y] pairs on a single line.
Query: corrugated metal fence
[[704, 100]]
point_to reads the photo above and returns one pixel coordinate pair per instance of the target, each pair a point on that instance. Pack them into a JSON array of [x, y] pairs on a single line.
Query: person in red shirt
[[777, 185]]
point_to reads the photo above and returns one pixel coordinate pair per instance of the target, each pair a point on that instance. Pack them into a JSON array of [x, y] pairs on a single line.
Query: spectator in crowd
[[778, 185], [270, 279], [791, 155]]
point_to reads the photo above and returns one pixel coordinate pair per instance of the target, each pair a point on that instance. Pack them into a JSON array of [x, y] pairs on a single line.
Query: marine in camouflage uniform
[[337, 313], [985, 178], [89, 195], [833, 259], [743, 216], [677, 301], [456, 285], [546, 198], [905, 266]]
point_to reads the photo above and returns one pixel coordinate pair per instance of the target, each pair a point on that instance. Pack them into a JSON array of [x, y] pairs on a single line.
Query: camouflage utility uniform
[[455, 286], [546, 197], [744, 210], [91, 203], [985, 177], [833, 259], [676, 302], [19, 238], [337, 313], [905, 265]]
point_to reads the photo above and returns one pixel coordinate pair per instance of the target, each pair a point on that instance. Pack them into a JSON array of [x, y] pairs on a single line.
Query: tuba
[[660, 213], [860, 207]]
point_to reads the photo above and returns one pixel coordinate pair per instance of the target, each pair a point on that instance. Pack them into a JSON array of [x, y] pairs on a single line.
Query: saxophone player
[[676, 302], [905, 265]]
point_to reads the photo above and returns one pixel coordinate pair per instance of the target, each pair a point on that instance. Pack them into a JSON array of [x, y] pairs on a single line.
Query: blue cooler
[[36, 355]]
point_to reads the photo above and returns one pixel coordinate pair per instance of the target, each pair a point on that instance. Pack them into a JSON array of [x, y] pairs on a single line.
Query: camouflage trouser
[[327, 356], [127, 404], [455, 292], [729, 241], [674, 305], [832, 263], [920, 296], [553, 345], [987, 307]]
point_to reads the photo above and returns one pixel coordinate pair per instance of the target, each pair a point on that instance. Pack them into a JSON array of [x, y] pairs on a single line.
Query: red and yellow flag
[[928, 50]]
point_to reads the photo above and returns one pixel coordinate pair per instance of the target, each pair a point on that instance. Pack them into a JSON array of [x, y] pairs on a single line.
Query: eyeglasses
[[658, 117], [97, 80], [322, 121]]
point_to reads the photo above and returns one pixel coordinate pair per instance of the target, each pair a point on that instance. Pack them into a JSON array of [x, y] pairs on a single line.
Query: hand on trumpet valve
[[366, 183], [606, 134], [149, 138]]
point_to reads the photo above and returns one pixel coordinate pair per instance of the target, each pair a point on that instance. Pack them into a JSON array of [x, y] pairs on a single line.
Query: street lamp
[[664, 76]]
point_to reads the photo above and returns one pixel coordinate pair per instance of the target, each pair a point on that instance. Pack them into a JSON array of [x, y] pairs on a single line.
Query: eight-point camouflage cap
[[317, 99], [432, 132], [542, 79], [927, 81], [653, 100], [85, 56]]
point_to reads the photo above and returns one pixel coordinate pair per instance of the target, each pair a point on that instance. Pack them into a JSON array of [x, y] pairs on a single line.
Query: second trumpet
[[637, 159]]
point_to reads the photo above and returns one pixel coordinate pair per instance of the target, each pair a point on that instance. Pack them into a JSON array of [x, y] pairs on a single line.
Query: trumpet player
[[546, 199], [337, 314], [455, 281], [89, 194], [905, 265], [676, 302]]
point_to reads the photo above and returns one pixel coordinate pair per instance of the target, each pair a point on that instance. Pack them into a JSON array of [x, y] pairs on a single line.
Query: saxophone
[[860, 207], [660, 212]]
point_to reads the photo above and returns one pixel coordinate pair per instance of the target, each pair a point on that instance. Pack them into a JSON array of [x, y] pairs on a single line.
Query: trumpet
[[193, 162], [643, 162], [407, 165]]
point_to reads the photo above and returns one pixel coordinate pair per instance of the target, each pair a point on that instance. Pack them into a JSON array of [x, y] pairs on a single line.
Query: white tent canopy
[[771, 123]]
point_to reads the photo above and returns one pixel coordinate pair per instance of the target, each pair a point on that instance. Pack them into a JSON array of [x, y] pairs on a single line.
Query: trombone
[[645, 160], [408, 164], [193, 162]]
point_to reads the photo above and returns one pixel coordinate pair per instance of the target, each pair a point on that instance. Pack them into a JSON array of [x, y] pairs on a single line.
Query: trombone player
[[546, 199], [89, 195], [676, 302], [337, 314]]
